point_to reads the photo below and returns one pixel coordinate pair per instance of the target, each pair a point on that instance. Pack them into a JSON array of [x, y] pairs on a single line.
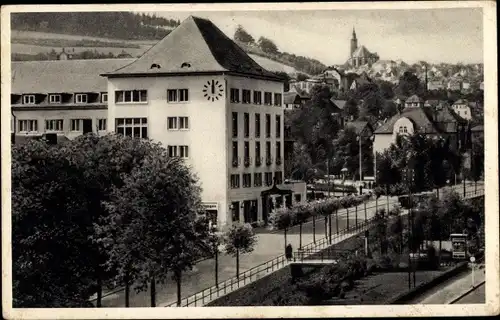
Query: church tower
[[354, 42]]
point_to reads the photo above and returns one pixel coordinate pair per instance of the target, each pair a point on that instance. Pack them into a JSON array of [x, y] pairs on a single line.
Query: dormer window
[[29, 99], [81, 98], [55, 98], [104, 97]]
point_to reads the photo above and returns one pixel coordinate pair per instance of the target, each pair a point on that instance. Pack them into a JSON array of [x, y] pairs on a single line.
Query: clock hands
[[213, 87]]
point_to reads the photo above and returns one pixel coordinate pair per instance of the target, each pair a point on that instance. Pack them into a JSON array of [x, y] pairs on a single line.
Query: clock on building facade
[[213, 90]]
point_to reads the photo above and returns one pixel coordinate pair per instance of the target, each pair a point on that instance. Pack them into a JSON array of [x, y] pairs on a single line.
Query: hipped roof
[[201, 47]]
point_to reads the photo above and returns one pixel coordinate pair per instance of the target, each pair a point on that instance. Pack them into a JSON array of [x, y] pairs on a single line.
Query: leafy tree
[[239, 238], [409, 84], [267, 45], [51, 229], [351, 109], [150, 232], [282, 219], [347, 153], [302, 77], [242, 35]]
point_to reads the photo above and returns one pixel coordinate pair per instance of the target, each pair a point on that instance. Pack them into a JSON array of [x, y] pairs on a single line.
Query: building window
[[80, 98], [172, 123], [28, 126], [235, 181], [278, 126], [54, 125], [247, 180], [257, 179], [258, 159], [76, 125], [172, 151], [268, 98], [177, 95], [405, 130], [29, 99], [257, 97], [257, 125], [235, 159], [246, 124], [277, 99], [102, 124], [268, 125], [55, 98], [279, 177], [278, 152], [235, 95], [268, 177], [247, 153], [298, 197], [183, 151], [268, 153], [235, 208], [132, 127], [183, 123], [104, 97], [131, 96], [246, 96], [235, 124]]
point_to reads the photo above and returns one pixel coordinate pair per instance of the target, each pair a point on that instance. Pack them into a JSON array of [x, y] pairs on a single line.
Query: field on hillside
[[40, 41], [47, 35]]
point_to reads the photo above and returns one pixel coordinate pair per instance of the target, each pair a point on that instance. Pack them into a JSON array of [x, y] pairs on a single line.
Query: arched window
[[405, 130]]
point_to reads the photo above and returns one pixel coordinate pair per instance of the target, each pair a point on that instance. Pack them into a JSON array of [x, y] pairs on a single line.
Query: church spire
[[353, 33]]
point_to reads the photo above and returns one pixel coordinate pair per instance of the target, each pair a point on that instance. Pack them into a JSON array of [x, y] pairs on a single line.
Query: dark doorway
[[87, 126]]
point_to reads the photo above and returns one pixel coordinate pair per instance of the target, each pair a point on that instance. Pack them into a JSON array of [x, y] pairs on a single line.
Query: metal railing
[[280, 260], [205, 296]]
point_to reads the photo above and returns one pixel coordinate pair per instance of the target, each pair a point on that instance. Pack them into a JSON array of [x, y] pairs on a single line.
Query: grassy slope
[[31, 42]]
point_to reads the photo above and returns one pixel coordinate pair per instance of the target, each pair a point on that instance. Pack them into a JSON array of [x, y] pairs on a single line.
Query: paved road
[[269, 245], [451, 289], [476, 296]]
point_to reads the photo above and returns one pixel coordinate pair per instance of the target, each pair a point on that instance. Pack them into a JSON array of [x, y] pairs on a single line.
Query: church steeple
[[354, 41]]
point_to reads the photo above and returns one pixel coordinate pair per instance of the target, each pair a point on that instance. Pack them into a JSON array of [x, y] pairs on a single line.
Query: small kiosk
[[459, 245]]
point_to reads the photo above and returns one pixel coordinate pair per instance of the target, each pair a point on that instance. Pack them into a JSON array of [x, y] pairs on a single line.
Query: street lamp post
[[213, 230]]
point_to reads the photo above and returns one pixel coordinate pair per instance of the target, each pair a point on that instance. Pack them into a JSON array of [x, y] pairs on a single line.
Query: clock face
[[213, 90]]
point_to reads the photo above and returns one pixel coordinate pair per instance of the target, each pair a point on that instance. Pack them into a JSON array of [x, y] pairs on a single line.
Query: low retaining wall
[[403, 298]]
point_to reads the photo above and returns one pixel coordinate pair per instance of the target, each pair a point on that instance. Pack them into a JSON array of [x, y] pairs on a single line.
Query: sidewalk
[[270, 244], [448, 291]]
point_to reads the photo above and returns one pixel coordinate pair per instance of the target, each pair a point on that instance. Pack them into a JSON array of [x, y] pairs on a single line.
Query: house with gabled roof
[[201, 96], [439, 121], [463, 109]]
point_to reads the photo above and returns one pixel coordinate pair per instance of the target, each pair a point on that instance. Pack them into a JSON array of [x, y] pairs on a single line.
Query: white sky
[[433, 35]]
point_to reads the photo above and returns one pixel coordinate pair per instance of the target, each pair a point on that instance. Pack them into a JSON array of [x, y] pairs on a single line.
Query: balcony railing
[[278, 161], [258, 161], [236, 162], [269, 161], [247, 161]]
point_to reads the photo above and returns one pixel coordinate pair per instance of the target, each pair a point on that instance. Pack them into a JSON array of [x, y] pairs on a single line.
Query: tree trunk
[[284, 231], [178, 280], [366, 215], [437, 192], [356, 217], [127, 290], [347, 215], [330, 227], [216, 267], [376, 205], [99, 290], [387, 196], [326, 227], [300, 235], [238, 264], [314, 228], [153, 292], [337, 220]]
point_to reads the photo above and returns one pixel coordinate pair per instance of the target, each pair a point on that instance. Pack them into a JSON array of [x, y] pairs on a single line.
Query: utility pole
[[328, 175], [360, 162]]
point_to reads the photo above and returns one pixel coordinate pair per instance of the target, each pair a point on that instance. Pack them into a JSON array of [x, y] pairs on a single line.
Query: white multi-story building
[[207, 101]]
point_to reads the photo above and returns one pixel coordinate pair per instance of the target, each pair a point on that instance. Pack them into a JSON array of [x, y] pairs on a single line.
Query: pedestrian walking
[[289, 252]]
